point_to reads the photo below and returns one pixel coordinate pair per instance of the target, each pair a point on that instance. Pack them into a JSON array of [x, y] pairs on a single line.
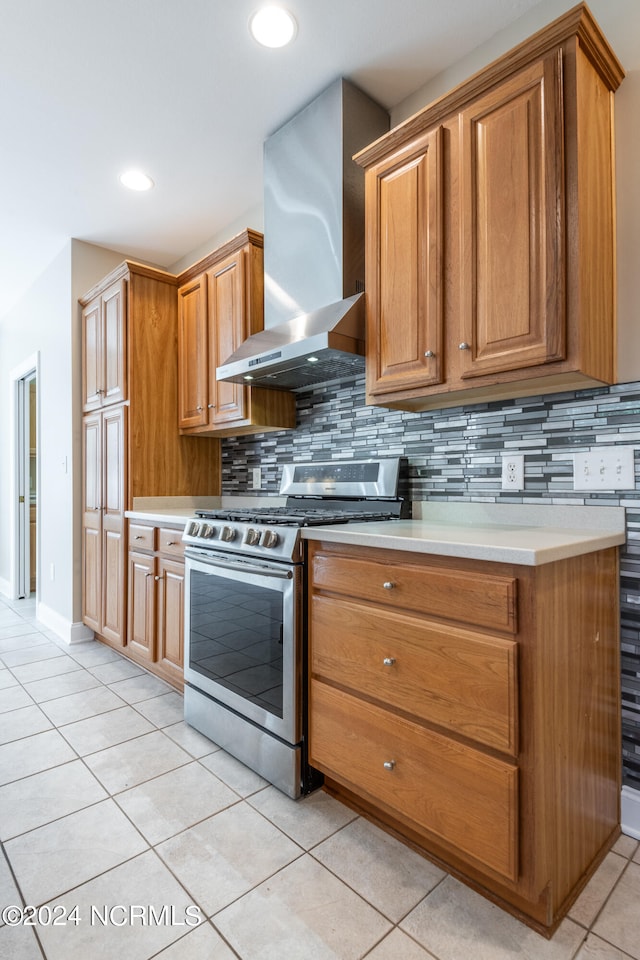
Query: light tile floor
[[123, 827]]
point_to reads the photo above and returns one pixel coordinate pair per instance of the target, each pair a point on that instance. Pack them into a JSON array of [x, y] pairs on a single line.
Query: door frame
[[23, 371]]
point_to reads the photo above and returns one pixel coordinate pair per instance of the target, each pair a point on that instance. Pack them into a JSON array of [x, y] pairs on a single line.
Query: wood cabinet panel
[[485, 601], [114, 313], [92, 576], [104, 353], [461, 681], [512, 296], [141, 537], [103, 560], [192, 349], [113, 627], [227, 312], [170, 542], [92, 355], [464, 797], [170, 606], [404, 346], [141, 605]]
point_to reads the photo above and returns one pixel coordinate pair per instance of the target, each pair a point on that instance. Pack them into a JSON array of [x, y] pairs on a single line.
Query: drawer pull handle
[[389, 661], [138, 537], [171, 543], [388, 585], [389, 764]]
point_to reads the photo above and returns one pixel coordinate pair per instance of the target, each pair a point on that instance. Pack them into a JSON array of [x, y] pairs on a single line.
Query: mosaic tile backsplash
[[455, 454]]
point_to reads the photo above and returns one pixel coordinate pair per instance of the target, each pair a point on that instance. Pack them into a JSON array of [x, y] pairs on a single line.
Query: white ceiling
[[178, 88]]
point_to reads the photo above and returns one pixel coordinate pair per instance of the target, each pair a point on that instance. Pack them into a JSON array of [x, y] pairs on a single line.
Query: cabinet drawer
[[170, 542], [141, 537], [460, 680], [461, 796], [478, 599]]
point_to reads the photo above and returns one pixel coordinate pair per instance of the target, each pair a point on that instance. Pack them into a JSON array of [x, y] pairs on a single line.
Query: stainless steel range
[[245, 635]]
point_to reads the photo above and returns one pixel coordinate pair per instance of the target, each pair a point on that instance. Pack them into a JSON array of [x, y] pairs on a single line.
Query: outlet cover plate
[[513, 471]]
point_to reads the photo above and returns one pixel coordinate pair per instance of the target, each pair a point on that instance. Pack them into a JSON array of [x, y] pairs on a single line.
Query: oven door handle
[[242, 567]]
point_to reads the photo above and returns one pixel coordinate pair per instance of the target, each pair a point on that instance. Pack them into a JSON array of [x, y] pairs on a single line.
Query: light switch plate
[[608, 468], [256, 478]]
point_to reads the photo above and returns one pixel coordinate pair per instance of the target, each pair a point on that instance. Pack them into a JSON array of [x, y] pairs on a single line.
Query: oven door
[[243, 637]]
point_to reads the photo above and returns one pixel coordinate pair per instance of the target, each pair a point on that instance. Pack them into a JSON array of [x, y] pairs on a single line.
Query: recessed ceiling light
[[136, 180], [273, 26]]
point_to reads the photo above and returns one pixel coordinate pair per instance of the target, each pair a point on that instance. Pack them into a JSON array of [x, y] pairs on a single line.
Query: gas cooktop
[[319, 493]]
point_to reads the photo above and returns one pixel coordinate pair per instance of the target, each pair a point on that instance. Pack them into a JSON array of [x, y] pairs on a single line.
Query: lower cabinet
[[474, 709], [156, 600]]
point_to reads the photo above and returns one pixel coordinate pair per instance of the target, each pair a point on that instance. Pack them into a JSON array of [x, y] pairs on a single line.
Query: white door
[[26, 483]]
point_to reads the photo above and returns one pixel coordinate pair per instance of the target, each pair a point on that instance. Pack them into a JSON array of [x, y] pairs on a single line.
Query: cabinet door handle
[[210, 406], [464, 346], [388, 585], [429, 353], [199, 409], [389, 661], [389, 764], [158, 578]]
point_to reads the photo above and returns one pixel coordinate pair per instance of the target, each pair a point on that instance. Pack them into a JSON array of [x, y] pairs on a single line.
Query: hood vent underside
[[324, 345]]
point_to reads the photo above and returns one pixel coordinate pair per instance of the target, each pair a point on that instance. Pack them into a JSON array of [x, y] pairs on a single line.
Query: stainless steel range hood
[[313, 246]]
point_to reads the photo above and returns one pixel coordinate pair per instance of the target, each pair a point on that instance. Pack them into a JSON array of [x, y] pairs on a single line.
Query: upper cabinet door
[[227, 297], [404, 267], [192, 353], [512, 214], [104, 369], [92, 355], [114, 322]]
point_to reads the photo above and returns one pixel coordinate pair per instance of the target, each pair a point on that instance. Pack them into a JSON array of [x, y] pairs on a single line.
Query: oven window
[[236, 638]]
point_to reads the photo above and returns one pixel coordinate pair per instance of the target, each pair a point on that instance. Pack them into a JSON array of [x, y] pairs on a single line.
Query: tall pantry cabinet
[[131, 444]]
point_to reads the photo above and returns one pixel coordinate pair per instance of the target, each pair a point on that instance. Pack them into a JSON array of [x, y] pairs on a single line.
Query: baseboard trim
[[67, 630], [631, 812]]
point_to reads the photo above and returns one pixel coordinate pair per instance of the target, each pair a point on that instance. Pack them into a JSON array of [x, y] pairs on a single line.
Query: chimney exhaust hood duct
[[313, 246]]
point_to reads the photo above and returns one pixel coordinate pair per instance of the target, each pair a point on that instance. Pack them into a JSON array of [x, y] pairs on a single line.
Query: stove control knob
[[207, 531], [193, 529], [270, 539], [228, 534], [252, 537]]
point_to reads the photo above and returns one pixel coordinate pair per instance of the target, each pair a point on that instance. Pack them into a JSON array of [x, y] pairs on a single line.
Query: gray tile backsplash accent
[[455, 454]]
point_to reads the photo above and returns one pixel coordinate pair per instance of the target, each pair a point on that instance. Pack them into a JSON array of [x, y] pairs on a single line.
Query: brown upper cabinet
[[220, 304], [490, 246], [104, 367]]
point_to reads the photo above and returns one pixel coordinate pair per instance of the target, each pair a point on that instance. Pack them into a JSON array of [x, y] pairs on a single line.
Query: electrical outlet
[[513, 471], [256, 478], [609, 468]]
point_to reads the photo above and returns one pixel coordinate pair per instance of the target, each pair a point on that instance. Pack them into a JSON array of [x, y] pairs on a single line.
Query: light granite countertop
[[506, 533]]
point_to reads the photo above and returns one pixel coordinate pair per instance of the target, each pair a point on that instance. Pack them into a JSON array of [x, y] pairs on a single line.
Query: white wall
[[46, 320]]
